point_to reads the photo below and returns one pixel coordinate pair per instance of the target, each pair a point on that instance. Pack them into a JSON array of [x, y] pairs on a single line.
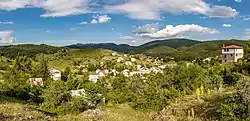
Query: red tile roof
[[102, 71], [232, 47]]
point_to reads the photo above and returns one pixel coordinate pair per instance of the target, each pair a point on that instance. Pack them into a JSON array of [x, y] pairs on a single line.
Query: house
[[80, 92], [102, 72], [125, 72], [55, 74], [120, 59], [94, 78], [99, 73], [35, 81], [231, 53], [128, 63], [133, 59]]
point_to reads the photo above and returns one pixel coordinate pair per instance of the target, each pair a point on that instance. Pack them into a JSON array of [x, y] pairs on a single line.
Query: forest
[[184, 90]]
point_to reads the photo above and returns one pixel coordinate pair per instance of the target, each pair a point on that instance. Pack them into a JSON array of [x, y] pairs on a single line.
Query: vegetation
[[201, 90]]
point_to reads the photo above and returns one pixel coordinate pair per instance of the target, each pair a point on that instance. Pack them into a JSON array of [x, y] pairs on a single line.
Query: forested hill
[[180, 49], [29, 50], [109, 46]]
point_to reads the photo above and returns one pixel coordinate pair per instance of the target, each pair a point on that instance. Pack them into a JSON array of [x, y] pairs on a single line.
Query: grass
[[14, 109], [177, 111]]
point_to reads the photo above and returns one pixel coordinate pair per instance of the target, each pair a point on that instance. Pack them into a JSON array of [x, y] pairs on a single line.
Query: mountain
[[170, 45], [180, 49], [110, 46]]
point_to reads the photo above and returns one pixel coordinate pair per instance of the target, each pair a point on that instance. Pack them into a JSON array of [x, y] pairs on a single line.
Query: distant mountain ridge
[[110, 46], [180, 49]]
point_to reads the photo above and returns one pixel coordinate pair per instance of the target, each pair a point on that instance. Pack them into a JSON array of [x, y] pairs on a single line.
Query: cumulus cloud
[[152, 9], [148, 28], [237, 1], [171, 31], [6, 22], [94, 21], [227, 25], [16, 4], [57, 8], [221, 12], [6, 37], [136, 9], [101, 19]]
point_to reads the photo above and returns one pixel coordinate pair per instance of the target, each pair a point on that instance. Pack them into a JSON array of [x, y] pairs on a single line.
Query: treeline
[[28, 50]]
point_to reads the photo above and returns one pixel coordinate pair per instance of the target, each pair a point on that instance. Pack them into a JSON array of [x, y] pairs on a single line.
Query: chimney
[[223, 45]]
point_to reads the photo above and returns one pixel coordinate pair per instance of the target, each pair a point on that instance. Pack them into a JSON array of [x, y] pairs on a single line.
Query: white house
[[94, 78], [55, 74], [80, 92], [133, 59], [125, 72], [231, 53], [120, 59], [99, 73], [128, 63]]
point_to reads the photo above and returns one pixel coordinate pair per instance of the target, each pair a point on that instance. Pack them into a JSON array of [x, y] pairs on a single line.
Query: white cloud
[[6, 37], [221, 12], [16, 4], [136, 9], [57, 8], [171, 31], [227, 25], [238, 1], [94, 21], [148, 28], [246, 19], [127, 37], [6, 22], [101, 19], [152, 9], [84, 22]]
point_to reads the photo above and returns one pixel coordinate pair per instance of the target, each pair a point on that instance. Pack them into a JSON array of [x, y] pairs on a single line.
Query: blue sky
[[65, 22]]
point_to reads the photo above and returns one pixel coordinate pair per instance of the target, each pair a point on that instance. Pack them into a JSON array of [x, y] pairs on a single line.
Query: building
[[55, 74], [99, 73], [231, 53]]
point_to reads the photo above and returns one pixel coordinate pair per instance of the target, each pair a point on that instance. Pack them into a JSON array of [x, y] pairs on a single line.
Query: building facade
[[231, 53]]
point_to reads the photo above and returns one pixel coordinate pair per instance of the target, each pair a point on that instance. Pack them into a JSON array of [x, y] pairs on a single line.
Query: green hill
[[159, 49], [186, 52], [28, 50]]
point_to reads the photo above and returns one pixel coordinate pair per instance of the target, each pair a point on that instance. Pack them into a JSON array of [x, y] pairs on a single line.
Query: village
[[132, 65]]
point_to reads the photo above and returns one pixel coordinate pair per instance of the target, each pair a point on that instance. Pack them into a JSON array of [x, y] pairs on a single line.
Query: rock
[[93, 113]]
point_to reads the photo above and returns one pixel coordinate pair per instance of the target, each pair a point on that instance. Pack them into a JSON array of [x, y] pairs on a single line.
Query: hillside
[[29, 50], [110, 46], [180, 49]]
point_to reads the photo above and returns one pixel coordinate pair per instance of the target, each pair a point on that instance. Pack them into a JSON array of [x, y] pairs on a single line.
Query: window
[[226, 50], [231, 54], [225, 56], [236, 54]]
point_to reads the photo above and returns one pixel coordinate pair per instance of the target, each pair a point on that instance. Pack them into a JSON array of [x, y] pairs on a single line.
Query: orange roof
[[102, 71], [232, 47]]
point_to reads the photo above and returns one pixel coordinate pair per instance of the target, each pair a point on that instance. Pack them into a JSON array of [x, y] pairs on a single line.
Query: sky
[[134, 22]]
